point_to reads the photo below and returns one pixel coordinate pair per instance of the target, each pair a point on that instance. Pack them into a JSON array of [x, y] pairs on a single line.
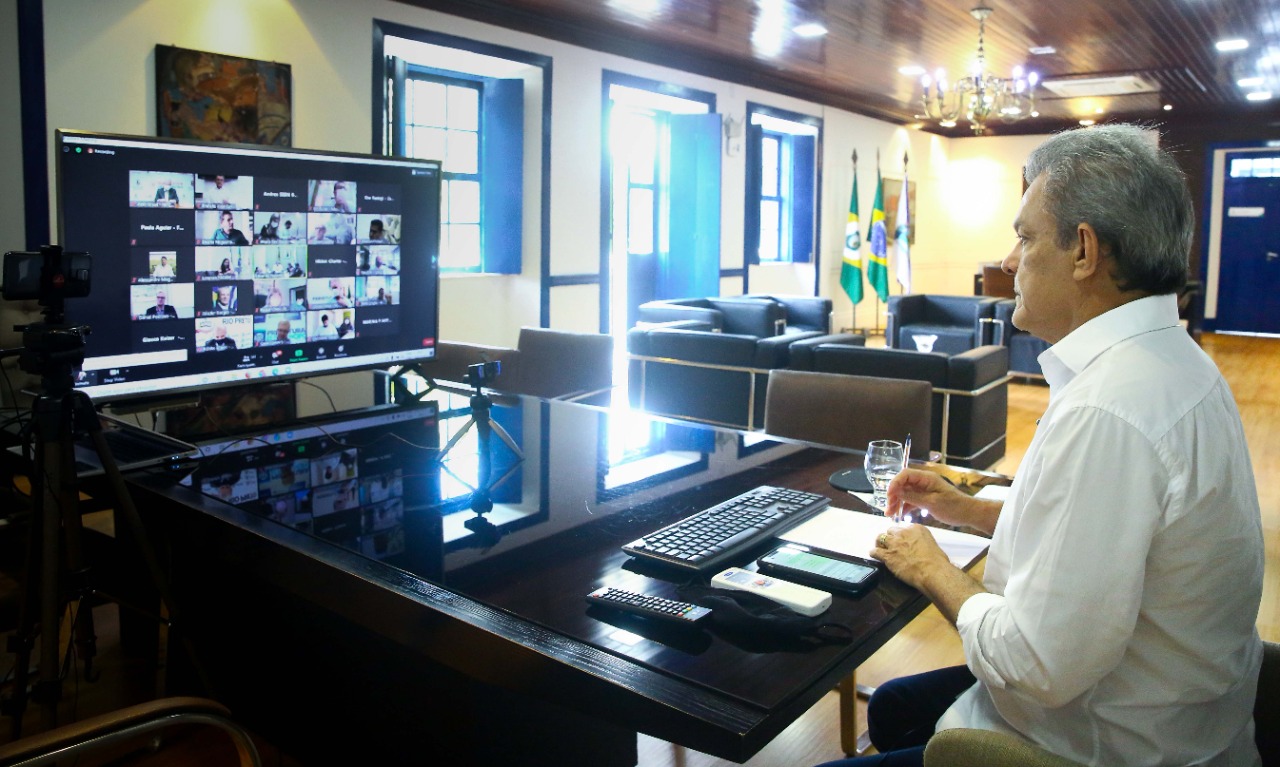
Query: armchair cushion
[[947, 324], [742, 316], [802, 349], [983, 748]]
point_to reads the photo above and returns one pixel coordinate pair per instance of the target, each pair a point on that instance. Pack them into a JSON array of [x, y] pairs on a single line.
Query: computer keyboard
[[715, 537]]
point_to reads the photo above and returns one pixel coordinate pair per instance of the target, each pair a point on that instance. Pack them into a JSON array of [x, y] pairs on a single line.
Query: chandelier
[[979, 96]]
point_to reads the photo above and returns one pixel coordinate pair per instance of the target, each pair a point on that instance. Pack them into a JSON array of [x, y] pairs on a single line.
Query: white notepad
[[853, 533]]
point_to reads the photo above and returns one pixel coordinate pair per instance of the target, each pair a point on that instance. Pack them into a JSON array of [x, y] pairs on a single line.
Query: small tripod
[[54, 351]]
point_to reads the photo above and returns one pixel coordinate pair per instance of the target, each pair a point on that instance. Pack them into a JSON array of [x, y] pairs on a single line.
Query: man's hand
[[915, 489], [911, 553]]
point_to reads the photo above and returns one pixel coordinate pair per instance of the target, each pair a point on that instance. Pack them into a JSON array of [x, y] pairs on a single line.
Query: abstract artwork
[[212, 97]]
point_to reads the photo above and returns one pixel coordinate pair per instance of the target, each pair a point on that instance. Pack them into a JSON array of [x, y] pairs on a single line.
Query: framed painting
[[893, 190], [212, 97]]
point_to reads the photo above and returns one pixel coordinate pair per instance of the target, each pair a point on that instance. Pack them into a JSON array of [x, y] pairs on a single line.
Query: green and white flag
[[851, 268]]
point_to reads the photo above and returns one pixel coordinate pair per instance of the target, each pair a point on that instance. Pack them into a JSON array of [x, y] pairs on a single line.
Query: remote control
[[802, 599], [649, 606]]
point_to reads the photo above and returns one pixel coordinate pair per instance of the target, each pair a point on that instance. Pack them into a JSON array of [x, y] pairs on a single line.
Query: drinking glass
[[885, 458]]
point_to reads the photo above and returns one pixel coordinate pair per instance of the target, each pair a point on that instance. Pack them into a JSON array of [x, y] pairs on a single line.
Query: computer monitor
[[219, 264]]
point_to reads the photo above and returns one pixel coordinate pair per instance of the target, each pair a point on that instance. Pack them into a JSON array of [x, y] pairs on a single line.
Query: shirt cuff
[[969, 619]]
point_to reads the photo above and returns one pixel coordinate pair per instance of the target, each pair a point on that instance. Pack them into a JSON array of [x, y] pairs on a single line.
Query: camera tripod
[[55, 574]]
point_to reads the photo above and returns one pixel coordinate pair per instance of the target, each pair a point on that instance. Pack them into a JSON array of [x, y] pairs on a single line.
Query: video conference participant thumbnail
[[325, 196], [322, 325], [161, 189], [223, 298], [331, 228], [223, 227], [272, 228], [162, 302], [160, 264], [279, 329], [377, 291], [279, 261], [279, 295], [377, 320], [331, 293], [378, 228], [233, 487], [160, 228], [218, 191], [284, 478], [378, 198], [221, 263], [222, 334], [283, 195], [378, 259]]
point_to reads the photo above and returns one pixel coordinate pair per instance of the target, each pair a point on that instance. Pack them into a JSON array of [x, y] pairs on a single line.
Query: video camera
[[482, 373]]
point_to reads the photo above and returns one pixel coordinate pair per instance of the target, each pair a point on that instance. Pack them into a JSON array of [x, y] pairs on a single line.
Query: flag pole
[[877, 330], [853, 307]]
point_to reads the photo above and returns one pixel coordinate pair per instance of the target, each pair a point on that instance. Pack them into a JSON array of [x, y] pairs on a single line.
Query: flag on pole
[[901, 237], [851, 269], [878, 263]]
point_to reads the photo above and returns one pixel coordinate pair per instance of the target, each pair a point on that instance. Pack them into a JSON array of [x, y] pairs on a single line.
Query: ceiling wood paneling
[[855, 66]]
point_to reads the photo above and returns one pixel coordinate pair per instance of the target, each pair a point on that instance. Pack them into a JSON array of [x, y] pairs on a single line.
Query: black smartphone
[[797, 563]]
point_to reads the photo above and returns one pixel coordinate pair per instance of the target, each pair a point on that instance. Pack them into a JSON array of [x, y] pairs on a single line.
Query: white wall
[[100, 76]]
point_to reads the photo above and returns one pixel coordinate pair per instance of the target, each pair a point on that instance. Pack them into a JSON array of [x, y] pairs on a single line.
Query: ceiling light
[[1168, 107], [1249, 82], [1259, 96], [1042, 50], [979, 96], [1098, 111], [1231, 45], [911, 70], [810, 30], [1087, 123]]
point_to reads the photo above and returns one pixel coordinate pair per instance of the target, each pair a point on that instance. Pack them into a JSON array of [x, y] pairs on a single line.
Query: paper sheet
[[994, 493], [853, 533]]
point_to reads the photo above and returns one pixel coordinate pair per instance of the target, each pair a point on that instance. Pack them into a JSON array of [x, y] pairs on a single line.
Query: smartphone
[[798, 563]]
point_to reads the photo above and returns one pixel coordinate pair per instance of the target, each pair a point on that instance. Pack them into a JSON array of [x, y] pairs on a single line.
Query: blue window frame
[[781, 206]]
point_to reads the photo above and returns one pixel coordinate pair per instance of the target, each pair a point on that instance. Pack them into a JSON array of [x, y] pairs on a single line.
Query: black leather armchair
[[1024, 348], [802, 314], [946, 324], [970, 393]]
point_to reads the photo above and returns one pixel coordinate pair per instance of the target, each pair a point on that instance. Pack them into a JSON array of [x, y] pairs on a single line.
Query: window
[[781, 196], [442, 121], [462, 102]]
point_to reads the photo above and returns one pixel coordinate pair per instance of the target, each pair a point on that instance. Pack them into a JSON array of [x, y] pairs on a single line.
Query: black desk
[[377, 612]]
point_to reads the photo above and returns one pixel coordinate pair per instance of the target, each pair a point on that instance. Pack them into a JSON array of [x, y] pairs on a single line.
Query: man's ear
[[1088, 256]]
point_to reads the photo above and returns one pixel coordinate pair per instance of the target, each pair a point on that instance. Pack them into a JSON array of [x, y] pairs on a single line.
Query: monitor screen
[[217, 264]]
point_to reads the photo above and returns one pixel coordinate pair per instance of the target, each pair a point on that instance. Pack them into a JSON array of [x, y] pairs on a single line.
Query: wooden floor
[[1250, 366]]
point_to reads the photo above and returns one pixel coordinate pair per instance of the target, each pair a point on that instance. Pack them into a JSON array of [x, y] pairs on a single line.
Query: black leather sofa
[[946, 324], [971, 393], [708, 359]]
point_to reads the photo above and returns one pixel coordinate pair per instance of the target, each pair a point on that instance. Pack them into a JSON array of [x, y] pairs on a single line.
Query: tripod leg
[[23, 638], [126, 508]]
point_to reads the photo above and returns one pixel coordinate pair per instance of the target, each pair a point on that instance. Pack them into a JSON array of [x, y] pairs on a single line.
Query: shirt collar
[[1066, 359]]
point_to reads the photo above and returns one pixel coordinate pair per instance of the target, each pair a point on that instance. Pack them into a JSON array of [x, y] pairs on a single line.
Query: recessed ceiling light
[[1042, 50], [911, 70], [1168, 107], [1237, 44], [1259, 96], [810, 30], [1249, 82], [1086, 123], [1098, 111]]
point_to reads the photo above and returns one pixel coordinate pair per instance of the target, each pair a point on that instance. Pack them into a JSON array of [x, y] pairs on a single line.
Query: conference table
[[406, 584]]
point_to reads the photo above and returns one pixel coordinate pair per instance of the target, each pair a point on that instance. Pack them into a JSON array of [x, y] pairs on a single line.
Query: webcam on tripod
[[482, 373]]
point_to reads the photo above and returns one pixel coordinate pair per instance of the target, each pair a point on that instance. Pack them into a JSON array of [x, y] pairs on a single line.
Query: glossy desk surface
[[369, 497]]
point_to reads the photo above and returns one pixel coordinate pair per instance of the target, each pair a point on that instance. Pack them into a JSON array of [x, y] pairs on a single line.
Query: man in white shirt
[[1116, 621]]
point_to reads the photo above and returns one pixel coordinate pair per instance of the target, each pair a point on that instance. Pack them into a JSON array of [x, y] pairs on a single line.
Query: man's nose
[[1010, 263]]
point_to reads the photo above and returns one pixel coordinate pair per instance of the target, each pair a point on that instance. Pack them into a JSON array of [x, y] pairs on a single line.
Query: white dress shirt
[[1125, 570]]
